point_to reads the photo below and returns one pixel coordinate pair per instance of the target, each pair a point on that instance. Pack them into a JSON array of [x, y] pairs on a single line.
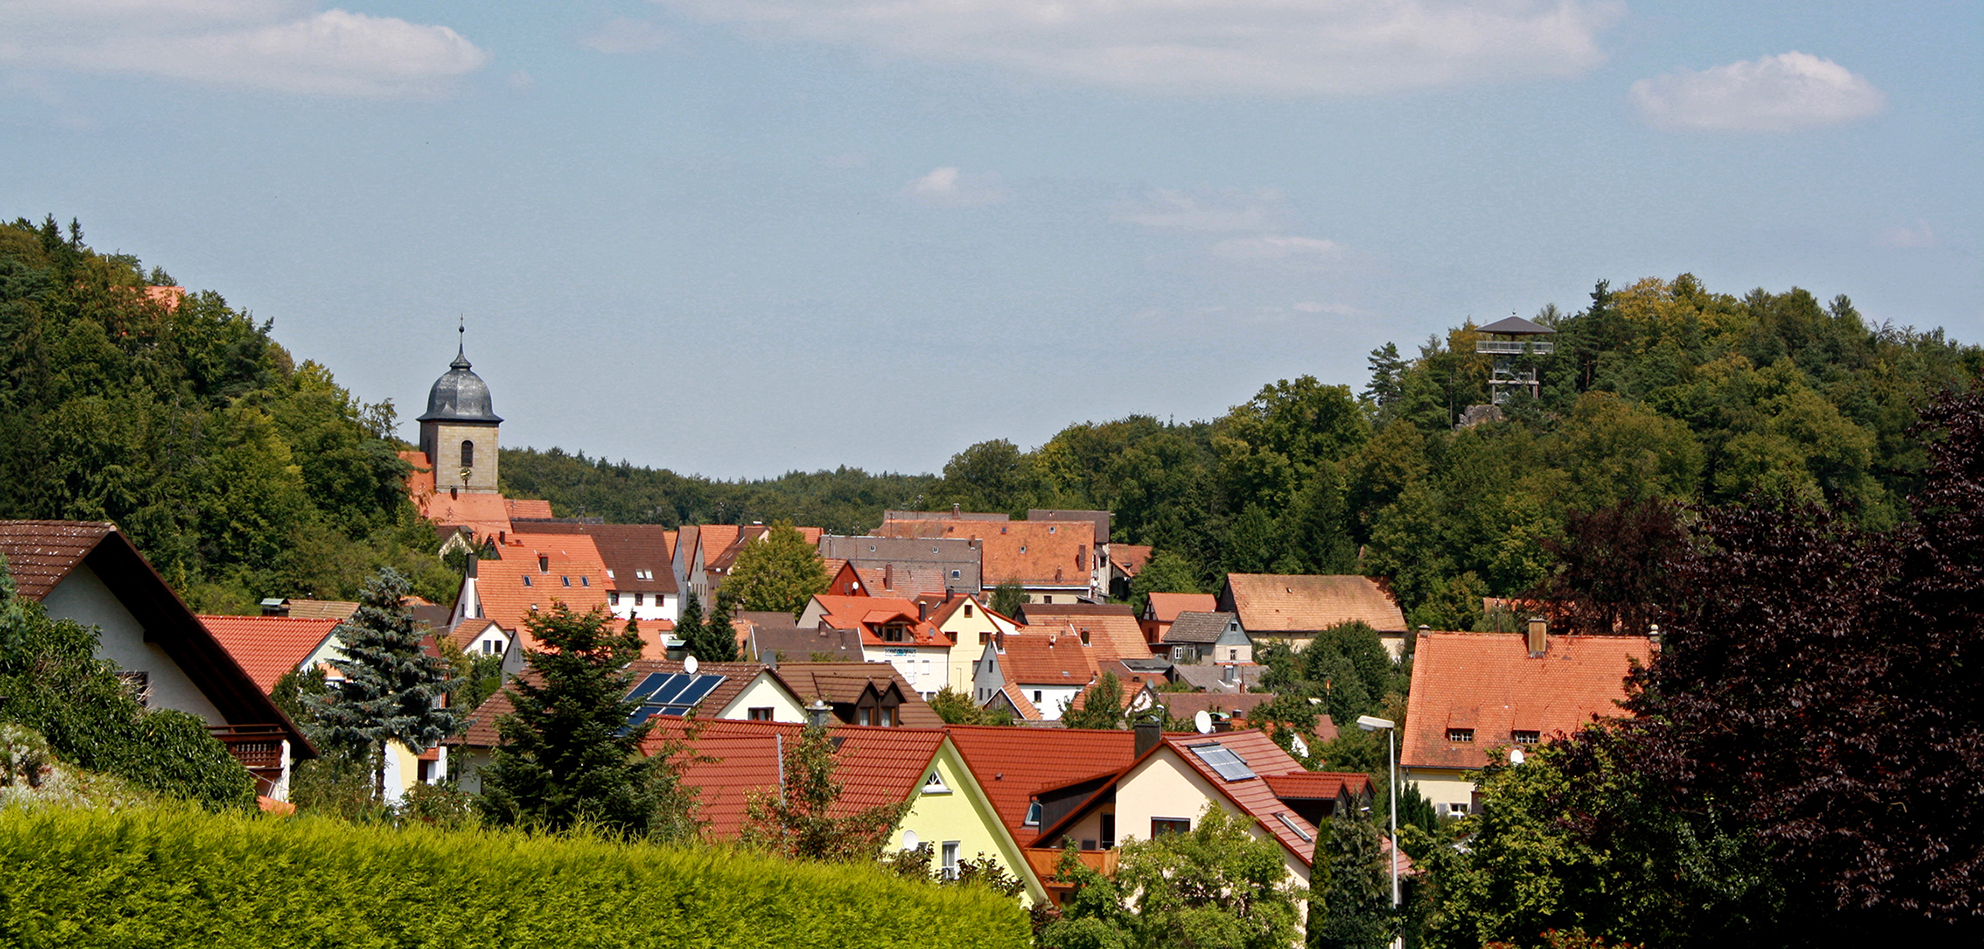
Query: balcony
[[259, 748], [1510, 347]]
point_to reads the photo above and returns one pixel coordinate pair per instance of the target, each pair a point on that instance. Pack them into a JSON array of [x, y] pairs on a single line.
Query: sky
[[741, 237]]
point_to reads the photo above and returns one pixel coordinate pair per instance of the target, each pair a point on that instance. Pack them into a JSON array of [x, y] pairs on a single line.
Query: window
[[613, 599], [1036, 696], [1461, 735], [1233, 654], [1289, 822], [763, 714], [1159, 826], [1223, 761], [1051, 528], [1084, 637], [491, 647], [1456, 809], [950, 866], [468, 454], [888, 717], [640, 599], [1022, 548], [1108, 831], [862, 717], [585, 581], [526, 579], [934, 784], [955, 574], [1522, 737], [1033, 814], [568, 580], [543, 563], [1048, 598]]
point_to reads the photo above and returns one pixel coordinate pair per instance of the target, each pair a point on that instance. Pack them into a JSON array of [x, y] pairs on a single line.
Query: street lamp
[[1371, 723]]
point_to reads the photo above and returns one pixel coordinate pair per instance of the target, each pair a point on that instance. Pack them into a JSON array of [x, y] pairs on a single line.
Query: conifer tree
[[718, 639], [565, 756], [391, 687], [689, 625]]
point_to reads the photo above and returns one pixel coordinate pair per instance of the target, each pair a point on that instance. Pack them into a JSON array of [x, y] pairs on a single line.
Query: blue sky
[[739, 237]]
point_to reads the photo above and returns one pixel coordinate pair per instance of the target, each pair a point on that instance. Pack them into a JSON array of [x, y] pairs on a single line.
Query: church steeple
[[458, 430]]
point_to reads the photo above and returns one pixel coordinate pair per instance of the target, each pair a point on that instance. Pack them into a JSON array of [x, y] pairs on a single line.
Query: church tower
[[458, 433]]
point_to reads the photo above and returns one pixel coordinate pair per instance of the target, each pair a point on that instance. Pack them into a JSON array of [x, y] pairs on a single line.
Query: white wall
[[764, 693], [653, 606], [927, 668], [1050, 697], [83, 597]]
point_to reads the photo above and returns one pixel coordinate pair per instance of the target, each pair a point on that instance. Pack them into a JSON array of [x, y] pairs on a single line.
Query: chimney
[[999, 641], [922, 609], [957, 510], [454, 492], [1539, 634], [1149, 731], [888, 576]]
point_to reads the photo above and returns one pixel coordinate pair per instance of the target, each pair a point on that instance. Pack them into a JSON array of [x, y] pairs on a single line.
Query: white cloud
[[1780, 93], [1276, 247], [624, 35], [948, 187], [253, 43], [1921, 235], [1288, 47], [1228, 210]]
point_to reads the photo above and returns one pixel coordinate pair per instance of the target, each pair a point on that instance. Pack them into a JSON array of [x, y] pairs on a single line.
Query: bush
[[173, 877]]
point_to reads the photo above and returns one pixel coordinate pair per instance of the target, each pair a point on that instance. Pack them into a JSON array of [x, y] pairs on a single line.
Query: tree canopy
[[391, 690], [779, 572]]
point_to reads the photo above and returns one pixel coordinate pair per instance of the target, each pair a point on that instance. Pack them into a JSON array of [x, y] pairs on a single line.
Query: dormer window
[[1084, 637], [1460, 735], [1525, 737], [1033, 814], [543, 564]]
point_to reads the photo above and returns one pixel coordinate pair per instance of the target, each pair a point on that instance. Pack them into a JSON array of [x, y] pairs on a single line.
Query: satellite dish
[[1515, 756], [1202, 720], [909, 840], [689, 664], [1141, 702], [1301, 747]]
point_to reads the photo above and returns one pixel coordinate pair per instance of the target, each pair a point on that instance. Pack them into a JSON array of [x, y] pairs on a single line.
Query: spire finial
[[461, 344]]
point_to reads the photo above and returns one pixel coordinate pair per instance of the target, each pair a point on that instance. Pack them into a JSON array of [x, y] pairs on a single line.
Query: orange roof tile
[[869, 613], [843, 682], [873, 766], [1034, 553], [486, 514], [1129, 558], [1255, 796], [627, 550], [1014, 764], [1044, 655], [1294, 603], [571, 573], [466, 632], [1165, 607], [1487, 682], [528, 508], [1113, 629], [268, 646]]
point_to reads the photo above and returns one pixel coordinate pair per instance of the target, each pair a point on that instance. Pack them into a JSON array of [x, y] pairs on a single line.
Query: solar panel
[[1222, 759], [670, 688], [697, 689], [640, 715], [648, 685]]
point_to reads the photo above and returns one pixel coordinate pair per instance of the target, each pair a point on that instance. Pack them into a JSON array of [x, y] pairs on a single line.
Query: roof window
[[585, 581], [1460, 735], [1525, 737], [1289, 822], [609, 573], [526, 579], [568, 580]]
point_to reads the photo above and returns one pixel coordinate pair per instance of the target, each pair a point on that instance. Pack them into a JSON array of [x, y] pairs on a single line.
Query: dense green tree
[[566, 757], [955, 707], [1102, 705], [1008, 597], [1165, 572], [716, 637], [690, 627], [392, 690], [778, 573], [1353, 909]]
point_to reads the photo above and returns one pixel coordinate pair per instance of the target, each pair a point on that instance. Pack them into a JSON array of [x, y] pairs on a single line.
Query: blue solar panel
[[640, 715], [648, 685], [1222, 759], [696, 690], [672, 688], [677, 711]]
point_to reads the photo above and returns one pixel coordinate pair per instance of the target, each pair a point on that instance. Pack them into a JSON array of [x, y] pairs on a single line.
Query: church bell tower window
[[468, 454]]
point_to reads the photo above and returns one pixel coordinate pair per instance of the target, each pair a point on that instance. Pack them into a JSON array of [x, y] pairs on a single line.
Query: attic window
[[543, 564], [967, 606], [585, 581], [1462, 735], [567, 580], [1524, 737], [526, 579], [609, 573], [1033, 814], [934, 784]]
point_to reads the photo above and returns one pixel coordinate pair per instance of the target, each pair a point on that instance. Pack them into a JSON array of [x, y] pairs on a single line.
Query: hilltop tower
[[458, 432], [1514, 343]]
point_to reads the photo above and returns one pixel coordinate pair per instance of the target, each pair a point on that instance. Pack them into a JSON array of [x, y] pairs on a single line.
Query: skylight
[[1290, 823], [1222, 760]]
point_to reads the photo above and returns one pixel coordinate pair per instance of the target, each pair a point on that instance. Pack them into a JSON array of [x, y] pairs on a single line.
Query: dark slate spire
[[461, 395]]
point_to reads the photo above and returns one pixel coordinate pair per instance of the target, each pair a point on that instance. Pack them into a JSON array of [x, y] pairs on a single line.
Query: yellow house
[[969, 624], [730, 761]]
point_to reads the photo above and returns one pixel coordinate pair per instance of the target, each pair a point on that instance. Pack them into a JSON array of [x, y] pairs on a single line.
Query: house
[[954, 562], [1173, 778], [861, 693], [1475, 692], [92, 574], [1099, 523], [728, 763], [639, 561], [1162, 609], [1014, 765], [1293, 608], [479, 636], [1183, 705], [1227, 678], [719, 559], [777, 645], [715, 691], [1054, 562], [530, 575], [1112, 627], [887, 580], [1195, 638], [893, 630], [965, 620], [1048, 667], [1125, 562]]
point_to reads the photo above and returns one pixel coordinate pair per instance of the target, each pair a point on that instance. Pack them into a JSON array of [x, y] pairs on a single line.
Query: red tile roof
[[486, 514], [466, 631], [268, 646], [874, 766], [627, 550], [1165, 607], [1014, 764], [1112, 627], [528, 508], [1129, 558], [869, 613], [1487, 682], [505, 598], [1045, 655], [1255, 796], [1295, 603], [480, 729], [1031, 552]]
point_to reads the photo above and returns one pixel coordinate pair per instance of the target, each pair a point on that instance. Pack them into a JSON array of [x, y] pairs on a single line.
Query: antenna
[[909, 840], [1515, 756], [689, 664], [1202, 721]]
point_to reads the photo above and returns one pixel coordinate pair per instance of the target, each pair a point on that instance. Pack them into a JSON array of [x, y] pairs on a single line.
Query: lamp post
[[1371, 723]]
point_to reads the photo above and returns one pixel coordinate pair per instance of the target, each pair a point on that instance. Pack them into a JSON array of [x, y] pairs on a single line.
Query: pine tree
[[718, 642], [1353, 910], [689, 625], [565, 756], [391, 686]]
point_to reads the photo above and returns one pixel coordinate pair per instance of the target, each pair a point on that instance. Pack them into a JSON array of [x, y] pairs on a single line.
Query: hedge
[[177, 876]]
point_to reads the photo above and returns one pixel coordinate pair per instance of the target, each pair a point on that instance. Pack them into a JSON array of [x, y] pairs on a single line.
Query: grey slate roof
[[1516, 326], [1191, 627], [459, 396]]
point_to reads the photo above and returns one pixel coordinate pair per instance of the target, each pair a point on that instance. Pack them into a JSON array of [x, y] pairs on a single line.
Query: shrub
[[173, 877]]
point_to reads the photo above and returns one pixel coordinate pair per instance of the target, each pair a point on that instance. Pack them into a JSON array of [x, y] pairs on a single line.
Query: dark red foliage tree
[[1615, 569]]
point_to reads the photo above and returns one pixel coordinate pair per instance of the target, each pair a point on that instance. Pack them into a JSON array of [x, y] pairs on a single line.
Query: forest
[[190, 426]]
